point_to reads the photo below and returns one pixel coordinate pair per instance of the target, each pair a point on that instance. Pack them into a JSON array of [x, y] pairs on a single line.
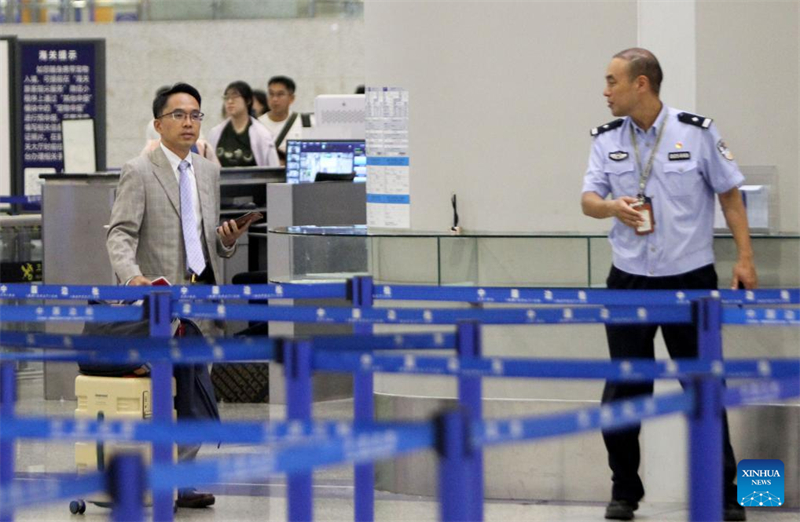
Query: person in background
[[260, 105], [240, 140], [280, 120], [165, 223]]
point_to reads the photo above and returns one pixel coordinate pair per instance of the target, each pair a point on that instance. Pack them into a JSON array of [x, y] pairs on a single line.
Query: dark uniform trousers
[[636, 342], [195, 398]]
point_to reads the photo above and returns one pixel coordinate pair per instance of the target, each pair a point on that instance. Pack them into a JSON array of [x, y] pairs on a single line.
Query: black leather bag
[[116, 330]]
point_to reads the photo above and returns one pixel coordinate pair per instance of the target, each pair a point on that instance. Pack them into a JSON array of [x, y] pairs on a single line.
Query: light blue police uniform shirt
[[682, 188]]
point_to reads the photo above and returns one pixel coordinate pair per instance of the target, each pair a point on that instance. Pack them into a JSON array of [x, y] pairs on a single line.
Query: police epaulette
[[694, 119], [597, 131]]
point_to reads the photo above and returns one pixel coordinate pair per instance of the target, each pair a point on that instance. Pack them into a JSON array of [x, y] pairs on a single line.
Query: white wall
[[502, 95], [502, 98], [748, 80], [322, 56]]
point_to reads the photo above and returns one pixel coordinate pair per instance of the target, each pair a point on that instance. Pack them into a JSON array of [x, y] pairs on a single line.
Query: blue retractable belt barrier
[[25, 200], [612, 415], [506, 295], [334, 354], [341, 342], [187, 431], [104, 314], [206, 292], [761, 316], [385, 341], [297, 458], [625, 370], [762, 391], [561, 315], [568, 296]]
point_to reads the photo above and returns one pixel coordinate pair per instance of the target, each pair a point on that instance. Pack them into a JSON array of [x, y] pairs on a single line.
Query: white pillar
[[667, 28]]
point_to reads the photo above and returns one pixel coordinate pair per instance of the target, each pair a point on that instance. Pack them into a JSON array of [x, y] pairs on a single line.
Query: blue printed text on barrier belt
[[207, 292], [339, 361], [187, 431], [338, 342], [761, 316], [617, 370], [577, 296], [97, 313], [566, 315], [225, 351], [507, 295]]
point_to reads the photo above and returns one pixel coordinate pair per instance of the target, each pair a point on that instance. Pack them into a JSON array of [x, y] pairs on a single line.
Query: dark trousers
[[636, 342]]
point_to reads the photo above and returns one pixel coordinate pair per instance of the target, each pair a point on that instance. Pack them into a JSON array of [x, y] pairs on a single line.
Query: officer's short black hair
[[163, 94], [642, 62], [285, 81]]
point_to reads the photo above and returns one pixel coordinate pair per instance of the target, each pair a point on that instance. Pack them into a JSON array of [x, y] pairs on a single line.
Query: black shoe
[[191, 498], [621, 509], [734, 511]]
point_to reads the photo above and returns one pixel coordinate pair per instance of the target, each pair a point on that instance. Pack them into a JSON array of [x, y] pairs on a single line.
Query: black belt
[[205, 278]]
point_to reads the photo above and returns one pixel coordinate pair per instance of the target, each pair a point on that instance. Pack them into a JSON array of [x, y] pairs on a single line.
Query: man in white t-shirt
[[281, 122]]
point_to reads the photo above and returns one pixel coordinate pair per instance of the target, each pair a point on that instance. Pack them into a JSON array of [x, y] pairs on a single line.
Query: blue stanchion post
[[455, 466], [468, 346], [705, 424], [163, 402], [8, 396], [297, 369], [125, 481], [364, 409]]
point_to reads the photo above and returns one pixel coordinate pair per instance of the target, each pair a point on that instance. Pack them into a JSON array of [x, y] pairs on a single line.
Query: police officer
[[662, 168]]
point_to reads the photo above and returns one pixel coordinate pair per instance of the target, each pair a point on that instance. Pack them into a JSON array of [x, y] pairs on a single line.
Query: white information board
[[5, 120], [78, 136], [388, 162]]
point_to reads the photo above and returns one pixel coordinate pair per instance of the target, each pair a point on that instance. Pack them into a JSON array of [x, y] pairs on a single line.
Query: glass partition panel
[[412, 260], [599, 261], [533, 261], [496, 259], [777, 260], [328, 257]]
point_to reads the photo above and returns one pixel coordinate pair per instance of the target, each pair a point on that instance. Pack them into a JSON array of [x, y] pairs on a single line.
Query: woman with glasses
[[240, 140]]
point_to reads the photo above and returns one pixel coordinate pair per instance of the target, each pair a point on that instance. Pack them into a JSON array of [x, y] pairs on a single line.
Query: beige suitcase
[[111, 398]]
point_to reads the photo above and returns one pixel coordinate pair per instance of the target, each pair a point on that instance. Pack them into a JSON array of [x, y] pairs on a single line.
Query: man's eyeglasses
[[180, 115], [231, 97]]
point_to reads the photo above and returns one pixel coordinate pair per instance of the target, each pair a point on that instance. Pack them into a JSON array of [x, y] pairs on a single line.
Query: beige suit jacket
[[145, 236]]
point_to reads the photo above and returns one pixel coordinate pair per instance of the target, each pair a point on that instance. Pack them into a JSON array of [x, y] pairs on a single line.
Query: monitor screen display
[[325, 160]]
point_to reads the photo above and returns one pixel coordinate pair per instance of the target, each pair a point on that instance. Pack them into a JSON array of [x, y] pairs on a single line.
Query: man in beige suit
[[164, 223]]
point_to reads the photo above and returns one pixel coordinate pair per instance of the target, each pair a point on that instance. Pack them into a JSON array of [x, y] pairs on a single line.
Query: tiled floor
[[333, 492]]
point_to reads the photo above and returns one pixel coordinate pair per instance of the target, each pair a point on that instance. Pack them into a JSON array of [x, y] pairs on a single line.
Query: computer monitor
[[326, 160]]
